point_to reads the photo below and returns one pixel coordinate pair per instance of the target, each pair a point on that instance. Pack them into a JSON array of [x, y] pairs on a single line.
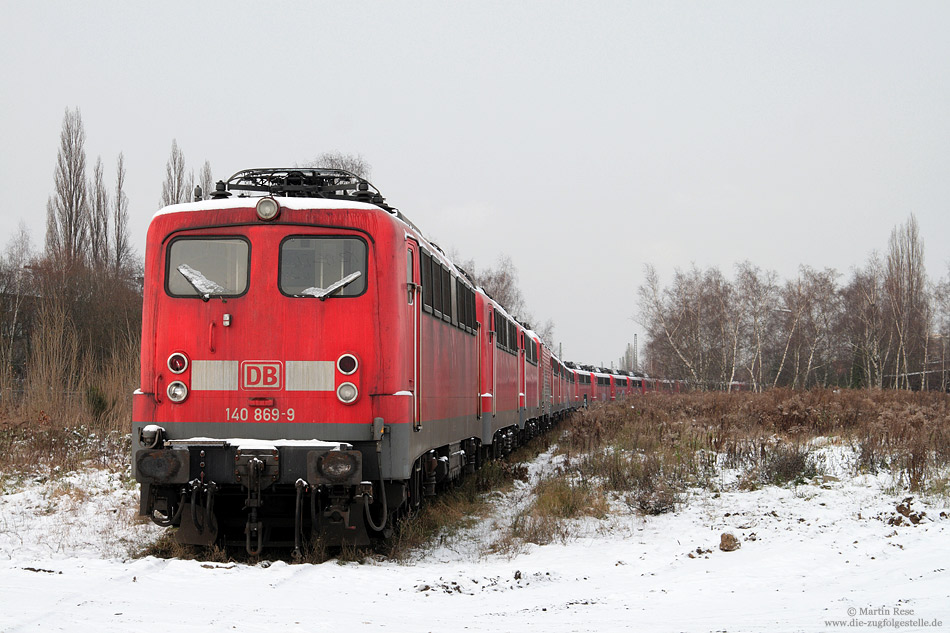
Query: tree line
[[886, 326]]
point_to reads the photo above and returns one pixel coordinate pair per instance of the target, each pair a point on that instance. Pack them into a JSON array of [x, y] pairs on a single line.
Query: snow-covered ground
[[812, 554]]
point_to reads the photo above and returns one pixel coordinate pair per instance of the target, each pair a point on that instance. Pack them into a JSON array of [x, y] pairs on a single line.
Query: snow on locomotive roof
[[286, 203]]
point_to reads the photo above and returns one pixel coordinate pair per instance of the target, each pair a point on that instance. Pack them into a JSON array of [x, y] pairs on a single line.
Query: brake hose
[[382, 487]]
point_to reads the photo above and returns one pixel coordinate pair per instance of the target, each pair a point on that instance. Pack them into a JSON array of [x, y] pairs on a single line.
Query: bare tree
[[794, 307], [98, 218], [206, 181], [14, 287], [121, 248], [724, 313], [757, 291], [865, 314], [820, 324], [353, 163], [189, 187], [501, 282], [546, 332], [671, 318], [942, 323], [905, 286], [175, 188], [67, 214]]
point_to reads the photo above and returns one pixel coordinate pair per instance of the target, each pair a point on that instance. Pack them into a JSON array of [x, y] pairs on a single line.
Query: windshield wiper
[[204, 286], [323, 293]]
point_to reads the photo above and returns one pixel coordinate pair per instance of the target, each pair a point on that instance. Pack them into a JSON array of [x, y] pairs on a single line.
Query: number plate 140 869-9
[[258, 414]]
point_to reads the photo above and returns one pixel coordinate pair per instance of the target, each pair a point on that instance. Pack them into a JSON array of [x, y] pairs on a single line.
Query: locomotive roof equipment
[[306, 182]]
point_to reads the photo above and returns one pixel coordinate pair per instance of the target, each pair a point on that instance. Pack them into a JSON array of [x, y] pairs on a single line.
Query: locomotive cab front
[[264, 346]]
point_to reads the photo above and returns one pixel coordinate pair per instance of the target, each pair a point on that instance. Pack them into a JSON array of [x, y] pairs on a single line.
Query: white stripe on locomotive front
[[310, 375], [214, 375], [301, 375]]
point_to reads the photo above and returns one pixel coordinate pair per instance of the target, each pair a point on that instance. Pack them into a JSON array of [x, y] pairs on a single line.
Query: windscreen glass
[[207, 267], [323, 267]]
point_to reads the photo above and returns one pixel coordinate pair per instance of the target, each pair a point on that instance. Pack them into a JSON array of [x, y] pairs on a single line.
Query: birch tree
[[14, 287], [671, 318], [866, 317], [757, 292]]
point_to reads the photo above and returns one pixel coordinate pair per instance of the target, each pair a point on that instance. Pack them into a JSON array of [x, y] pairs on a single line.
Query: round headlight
[[347, 364], [177, 363], [337, 465], [347, 392], [177, 391], [267, 208]]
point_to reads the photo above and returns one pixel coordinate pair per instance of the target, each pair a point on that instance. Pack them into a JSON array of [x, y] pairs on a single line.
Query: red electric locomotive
[[311, 364]]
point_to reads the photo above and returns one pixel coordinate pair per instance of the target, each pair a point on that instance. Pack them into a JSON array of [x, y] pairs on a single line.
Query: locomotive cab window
[[322, 267], [207, 267]]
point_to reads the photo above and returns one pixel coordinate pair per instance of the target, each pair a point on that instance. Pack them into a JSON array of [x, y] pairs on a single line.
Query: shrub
[[787, 463]]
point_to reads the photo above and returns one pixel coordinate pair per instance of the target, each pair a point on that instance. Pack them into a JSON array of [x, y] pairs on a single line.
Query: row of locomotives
[[589, 384], [594, 384], [312, 366]]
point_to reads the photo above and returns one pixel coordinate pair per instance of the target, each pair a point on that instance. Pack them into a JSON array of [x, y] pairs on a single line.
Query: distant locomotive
[[312, 365]]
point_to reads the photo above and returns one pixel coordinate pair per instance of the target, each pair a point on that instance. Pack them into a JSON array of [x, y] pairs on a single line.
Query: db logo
[[260, 374]]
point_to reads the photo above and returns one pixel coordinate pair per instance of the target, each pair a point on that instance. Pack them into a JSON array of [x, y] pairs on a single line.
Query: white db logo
[[260, 374]]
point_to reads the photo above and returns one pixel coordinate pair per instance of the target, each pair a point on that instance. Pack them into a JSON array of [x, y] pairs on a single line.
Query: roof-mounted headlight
[[267, 209]]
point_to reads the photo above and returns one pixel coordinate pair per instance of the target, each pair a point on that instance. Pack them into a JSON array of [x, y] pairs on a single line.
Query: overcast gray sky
[[583, 139]]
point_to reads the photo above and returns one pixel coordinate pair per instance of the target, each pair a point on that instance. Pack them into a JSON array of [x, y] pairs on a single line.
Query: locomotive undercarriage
[[259, 495], [281, 517]]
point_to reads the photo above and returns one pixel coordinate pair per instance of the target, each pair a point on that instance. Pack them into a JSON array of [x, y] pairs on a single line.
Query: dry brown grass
[[557, 499], [668, 442], [71, 412], [165, 546]]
